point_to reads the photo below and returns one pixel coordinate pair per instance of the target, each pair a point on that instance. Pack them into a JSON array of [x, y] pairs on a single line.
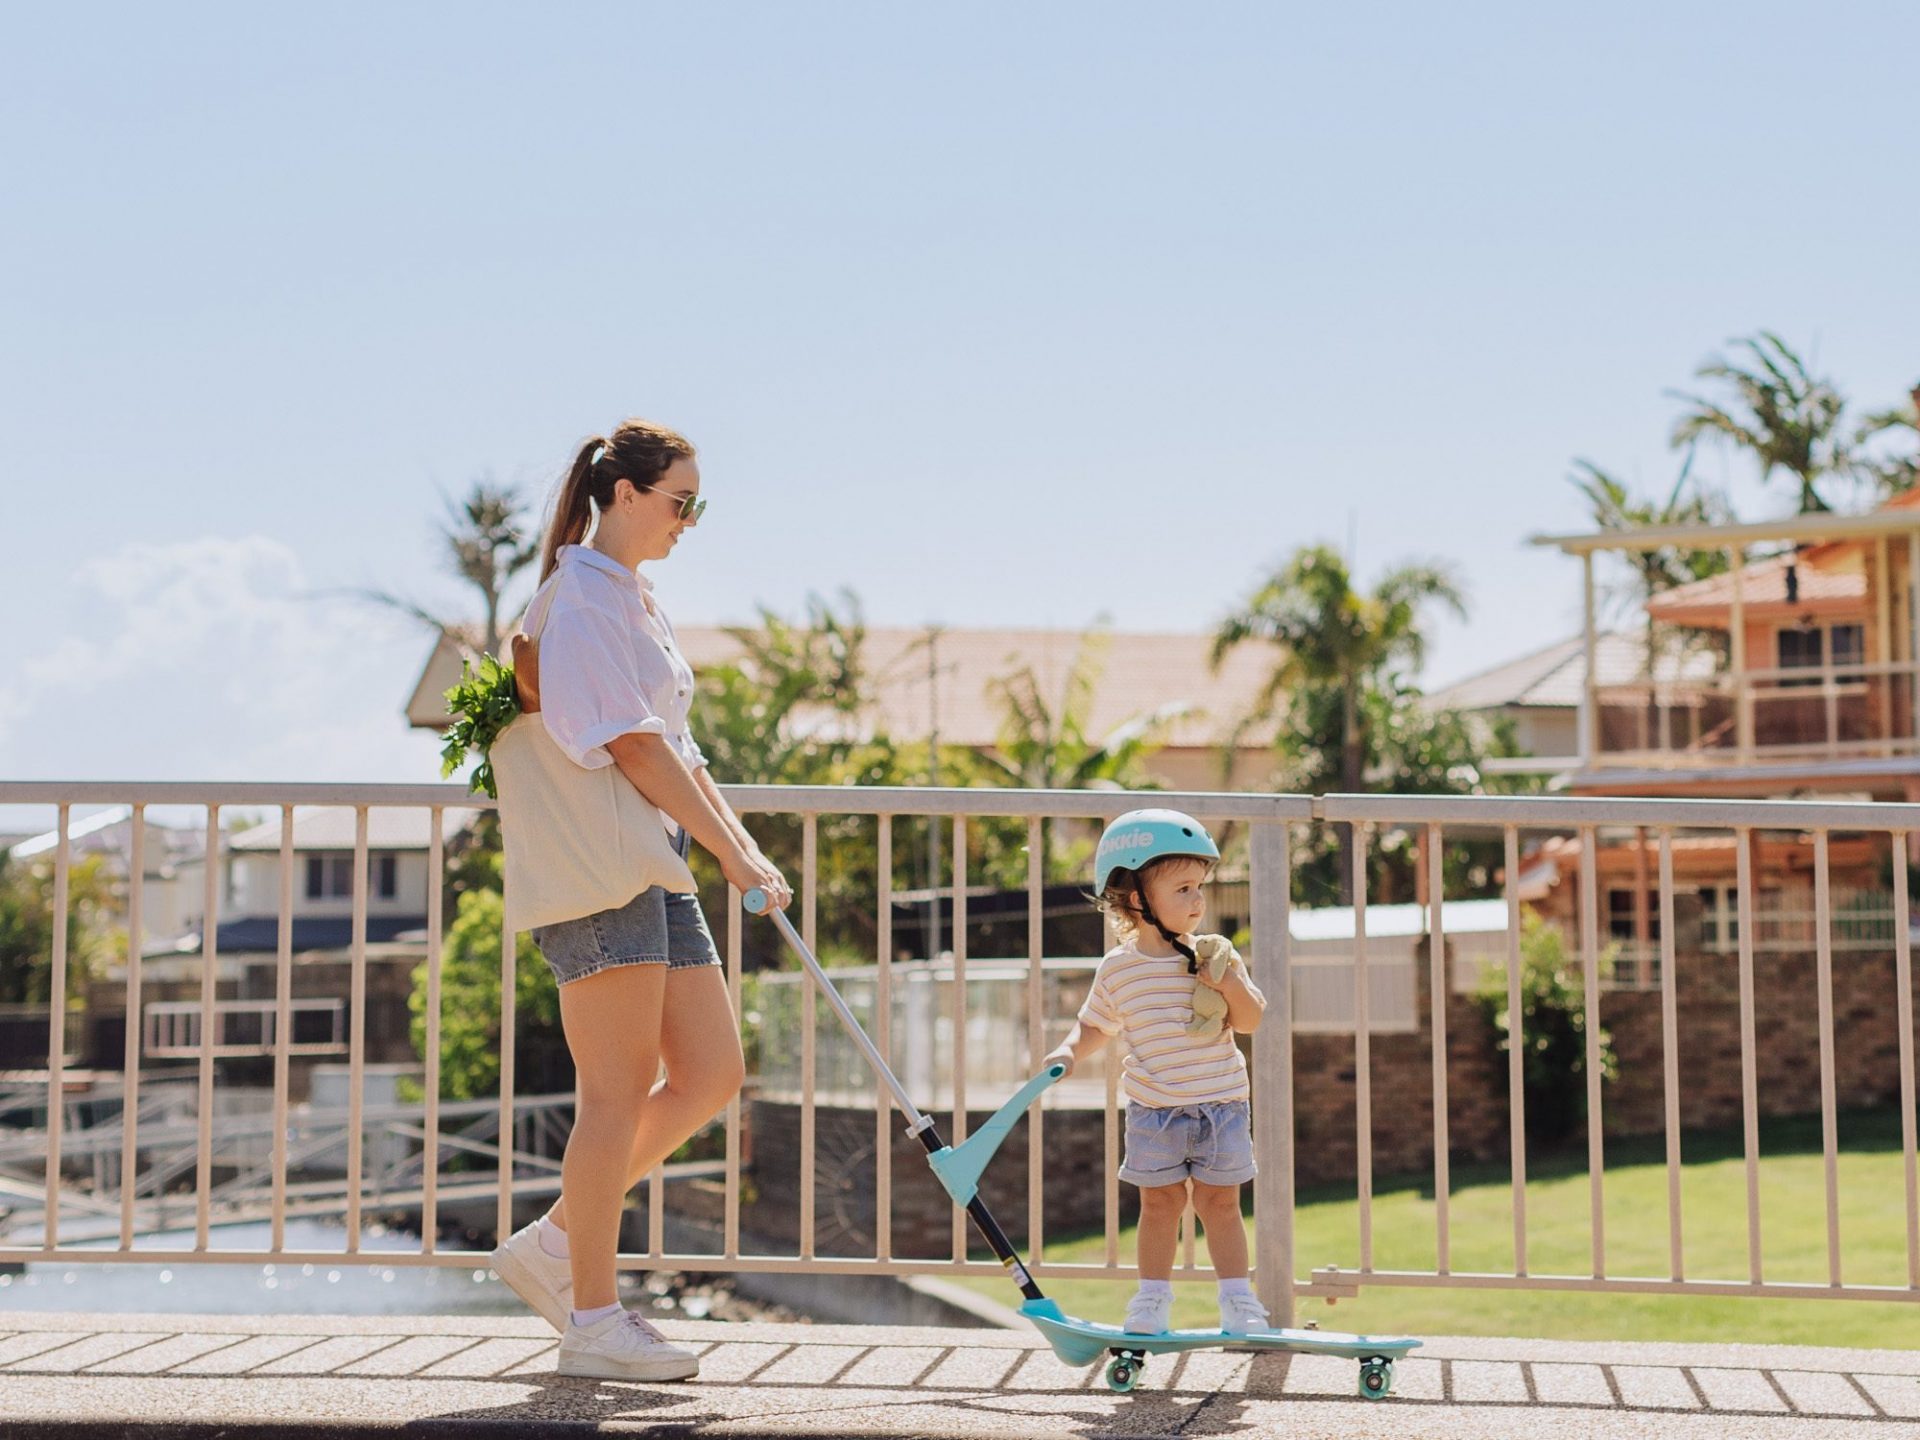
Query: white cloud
[[207, 660]]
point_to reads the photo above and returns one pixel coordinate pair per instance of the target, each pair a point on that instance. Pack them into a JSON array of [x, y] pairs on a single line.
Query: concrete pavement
[[72, 1375]]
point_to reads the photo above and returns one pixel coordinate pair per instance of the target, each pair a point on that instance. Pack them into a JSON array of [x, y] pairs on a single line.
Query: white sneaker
[[1148, 1314], [544, 1282], [1242, 1314], [624, 1347]]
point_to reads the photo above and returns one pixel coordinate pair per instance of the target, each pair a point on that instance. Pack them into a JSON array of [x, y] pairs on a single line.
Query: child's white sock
[[594, 1317], [1242, 1286], [553, 1239], [1156, 1287]]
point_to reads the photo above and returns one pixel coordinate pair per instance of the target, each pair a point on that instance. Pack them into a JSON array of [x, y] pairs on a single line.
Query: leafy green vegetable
[[483, 704]]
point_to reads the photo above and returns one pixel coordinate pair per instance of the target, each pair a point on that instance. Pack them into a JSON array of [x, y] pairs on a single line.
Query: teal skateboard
[[1074, 1341], [1082, 1342]]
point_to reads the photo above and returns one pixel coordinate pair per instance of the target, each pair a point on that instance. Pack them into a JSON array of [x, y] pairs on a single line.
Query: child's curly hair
[[1120, 901]]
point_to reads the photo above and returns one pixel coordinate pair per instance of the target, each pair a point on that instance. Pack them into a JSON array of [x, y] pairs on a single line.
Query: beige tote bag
[[575, 841]]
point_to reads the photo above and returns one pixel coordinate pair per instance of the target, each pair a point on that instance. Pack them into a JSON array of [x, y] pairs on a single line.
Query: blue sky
[[996, 314]]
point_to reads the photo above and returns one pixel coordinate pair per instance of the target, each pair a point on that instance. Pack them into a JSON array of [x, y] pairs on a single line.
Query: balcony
[[1827, 713]]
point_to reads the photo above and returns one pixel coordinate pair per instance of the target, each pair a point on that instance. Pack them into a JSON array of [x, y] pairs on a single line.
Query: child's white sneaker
[[1148, 1313], [623, 1347], [544, 1281], [1241, 1313]]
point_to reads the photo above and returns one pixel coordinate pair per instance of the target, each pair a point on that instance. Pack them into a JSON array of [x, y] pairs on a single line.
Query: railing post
[[1590, 691], [1737, 657], [1273, 1070]]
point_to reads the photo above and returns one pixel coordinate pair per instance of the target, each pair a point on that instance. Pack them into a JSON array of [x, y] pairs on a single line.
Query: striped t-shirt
[[1147, 1001]]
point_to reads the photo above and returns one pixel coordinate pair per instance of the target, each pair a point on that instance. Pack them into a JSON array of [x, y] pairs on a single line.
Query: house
[[1791, 675], [247, 940], [925, 682], [1810, 689], [1541, 694], [108, 833]]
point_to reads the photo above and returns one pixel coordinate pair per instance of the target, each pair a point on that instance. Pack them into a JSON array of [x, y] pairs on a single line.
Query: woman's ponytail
[[573, 509]]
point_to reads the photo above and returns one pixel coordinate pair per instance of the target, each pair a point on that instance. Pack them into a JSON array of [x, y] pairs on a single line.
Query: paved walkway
[[236, 1376]]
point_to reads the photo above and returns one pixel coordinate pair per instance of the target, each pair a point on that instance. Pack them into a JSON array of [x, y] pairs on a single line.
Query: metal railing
[[173, 1028], [1782, 713], [1267, 822]]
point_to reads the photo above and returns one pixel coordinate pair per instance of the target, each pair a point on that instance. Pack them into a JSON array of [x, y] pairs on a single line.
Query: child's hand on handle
[[1062, 1055]]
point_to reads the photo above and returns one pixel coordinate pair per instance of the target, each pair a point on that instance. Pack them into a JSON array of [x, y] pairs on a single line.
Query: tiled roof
[[1141, 673], [1554, 677], [1763, 584], [330, 828], [253, 934]]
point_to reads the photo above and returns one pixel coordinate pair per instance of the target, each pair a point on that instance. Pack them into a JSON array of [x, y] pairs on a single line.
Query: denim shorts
[[1212, 1143], [656, 927]]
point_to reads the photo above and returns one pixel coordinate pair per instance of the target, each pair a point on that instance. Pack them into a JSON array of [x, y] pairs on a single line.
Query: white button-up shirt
[[609, 662]]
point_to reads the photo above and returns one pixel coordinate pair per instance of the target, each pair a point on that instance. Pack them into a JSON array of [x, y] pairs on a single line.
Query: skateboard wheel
[[1121, 1373], [1376, 1378]]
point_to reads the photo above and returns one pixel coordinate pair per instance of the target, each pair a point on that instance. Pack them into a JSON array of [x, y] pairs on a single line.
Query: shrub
[[1553, 1025]]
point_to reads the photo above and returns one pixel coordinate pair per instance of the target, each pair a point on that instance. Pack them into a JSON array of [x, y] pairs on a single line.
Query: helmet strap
[[1146, 909]]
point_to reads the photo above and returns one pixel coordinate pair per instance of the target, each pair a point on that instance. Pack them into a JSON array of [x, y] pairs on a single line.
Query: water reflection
[[268, 1288]]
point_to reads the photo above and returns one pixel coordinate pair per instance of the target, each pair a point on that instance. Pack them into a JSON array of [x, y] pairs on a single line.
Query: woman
[[640, 986]]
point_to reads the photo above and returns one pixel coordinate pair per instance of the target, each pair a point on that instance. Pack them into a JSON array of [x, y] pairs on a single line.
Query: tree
[[792, 709], [26, 928], [788, 709], [1654, 571], [470, 999], [486, 543], [1046, 745], [1895, 474], [1777, 412], [1553, 1026], [1334, 648]]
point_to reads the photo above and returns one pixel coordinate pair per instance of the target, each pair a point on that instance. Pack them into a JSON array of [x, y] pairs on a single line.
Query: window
[[330, 877], [1849, 644], [1620, 915], [1806, 648], [1800, 649]]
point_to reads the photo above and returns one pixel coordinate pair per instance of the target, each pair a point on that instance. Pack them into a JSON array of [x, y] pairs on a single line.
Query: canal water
[[360, 1287], [357, 1288]]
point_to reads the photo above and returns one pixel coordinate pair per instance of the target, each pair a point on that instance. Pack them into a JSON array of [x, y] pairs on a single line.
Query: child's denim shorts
[[656, 927], [1212, 1143]]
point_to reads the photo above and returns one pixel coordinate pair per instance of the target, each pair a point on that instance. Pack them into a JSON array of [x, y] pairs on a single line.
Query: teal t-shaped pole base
[[959, 1167]]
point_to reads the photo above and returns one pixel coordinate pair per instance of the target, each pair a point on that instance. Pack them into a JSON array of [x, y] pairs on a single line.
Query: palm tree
[[1614, 508], [1895, 474], [486, 543], [1335, 643], [1047, 746], [1787, 419]]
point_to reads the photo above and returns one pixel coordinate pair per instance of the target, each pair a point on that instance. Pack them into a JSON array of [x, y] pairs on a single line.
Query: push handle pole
[[922, 1127], [755, 901]]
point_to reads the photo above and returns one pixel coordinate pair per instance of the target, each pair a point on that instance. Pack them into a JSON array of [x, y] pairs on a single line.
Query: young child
[[1187, 1092]]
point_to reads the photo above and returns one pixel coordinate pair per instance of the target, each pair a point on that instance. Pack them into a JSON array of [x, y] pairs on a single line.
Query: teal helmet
[[1142, 835]]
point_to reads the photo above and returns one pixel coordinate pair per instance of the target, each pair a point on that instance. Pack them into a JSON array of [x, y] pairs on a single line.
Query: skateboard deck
[[1082, 1342]]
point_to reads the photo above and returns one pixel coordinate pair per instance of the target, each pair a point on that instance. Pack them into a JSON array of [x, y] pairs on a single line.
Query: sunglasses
[[692, 507]]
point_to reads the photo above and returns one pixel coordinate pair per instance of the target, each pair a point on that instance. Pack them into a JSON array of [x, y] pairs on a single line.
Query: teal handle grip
[[755, 900]]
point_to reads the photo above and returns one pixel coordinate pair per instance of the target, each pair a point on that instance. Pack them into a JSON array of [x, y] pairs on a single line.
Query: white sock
[[1242, 1286], [594, 1317], [553, 1240], [1156, 1287]]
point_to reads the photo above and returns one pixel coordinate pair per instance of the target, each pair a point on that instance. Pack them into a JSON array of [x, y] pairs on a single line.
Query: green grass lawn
[[1713, 1198]]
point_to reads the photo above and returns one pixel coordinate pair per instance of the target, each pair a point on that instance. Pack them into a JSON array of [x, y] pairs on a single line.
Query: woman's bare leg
[[612, 1024], [700, 1045]]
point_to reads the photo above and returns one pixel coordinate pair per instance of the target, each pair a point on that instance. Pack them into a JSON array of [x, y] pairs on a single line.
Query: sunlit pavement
[[107, 1375]]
